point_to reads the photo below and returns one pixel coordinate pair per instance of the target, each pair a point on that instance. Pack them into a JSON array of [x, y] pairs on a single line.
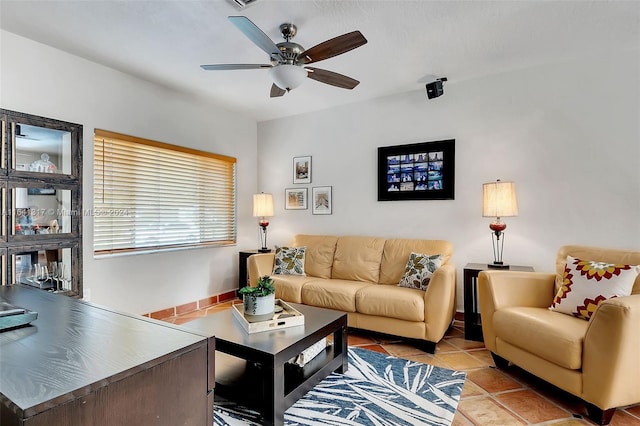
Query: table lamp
[[498, 200], [263, 208]]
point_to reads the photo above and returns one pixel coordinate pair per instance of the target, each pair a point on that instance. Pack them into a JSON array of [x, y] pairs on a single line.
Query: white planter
[[259, 308]]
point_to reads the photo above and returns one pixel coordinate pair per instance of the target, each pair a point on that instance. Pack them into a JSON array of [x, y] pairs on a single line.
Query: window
[[151, 196]]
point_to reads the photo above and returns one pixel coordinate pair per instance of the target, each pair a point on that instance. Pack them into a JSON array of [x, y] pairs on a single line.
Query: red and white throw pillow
[[587, 283]]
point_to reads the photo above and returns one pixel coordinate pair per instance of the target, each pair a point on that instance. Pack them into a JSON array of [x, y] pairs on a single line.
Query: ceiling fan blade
[[276, 91], [332, 78], [224, 67], [256, 35], [335, 46]]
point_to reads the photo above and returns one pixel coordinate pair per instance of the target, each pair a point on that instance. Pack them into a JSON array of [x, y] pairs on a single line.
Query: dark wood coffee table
[[267, 384]]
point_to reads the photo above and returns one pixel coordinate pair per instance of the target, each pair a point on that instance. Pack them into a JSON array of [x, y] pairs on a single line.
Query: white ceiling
[[410, 42]]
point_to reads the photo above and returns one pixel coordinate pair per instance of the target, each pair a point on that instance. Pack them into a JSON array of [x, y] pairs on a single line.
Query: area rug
[[377, 389]]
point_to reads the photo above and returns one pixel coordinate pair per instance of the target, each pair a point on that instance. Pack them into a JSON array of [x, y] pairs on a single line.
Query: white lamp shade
[[499, 199], [288, 77], [262, 205]]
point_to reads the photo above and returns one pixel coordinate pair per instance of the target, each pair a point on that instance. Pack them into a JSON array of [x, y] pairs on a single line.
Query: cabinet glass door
[[41, 150], [41, 211], [44, 268]]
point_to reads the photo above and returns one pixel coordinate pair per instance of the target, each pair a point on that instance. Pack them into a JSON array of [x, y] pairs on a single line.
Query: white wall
[[567, 134], [39, 80]]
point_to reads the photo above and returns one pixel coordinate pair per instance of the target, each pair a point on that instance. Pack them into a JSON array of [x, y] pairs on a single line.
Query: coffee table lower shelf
[[248, 390]]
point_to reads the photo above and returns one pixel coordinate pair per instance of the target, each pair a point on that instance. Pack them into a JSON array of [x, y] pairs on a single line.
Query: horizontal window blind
[[151, 196]]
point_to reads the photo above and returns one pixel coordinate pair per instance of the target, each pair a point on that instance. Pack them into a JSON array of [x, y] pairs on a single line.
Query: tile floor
[[490, 397]]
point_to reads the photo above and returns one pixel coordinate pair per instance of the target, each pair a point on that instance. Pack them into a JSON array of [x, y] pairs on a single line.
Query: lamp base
[[264, 250], [497, 265]]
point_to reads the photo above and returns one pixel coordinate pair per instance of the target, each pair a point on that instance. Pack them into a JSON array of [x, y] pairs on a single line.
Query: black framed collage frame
[[420, 171]]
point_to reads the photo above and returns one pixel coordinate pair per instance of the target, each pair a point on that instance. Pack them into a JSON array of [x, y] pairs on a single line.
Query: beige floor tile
[[459, 360], [402, 349], [427, 359], [485, 411], [568, 422], [455, 333], [461, 343], [621, 418], [471, 389], [492, 380], [460, 420], [445, 346], [531, 406], [180, 321], [634, 410], [483, 355], [358, 340]]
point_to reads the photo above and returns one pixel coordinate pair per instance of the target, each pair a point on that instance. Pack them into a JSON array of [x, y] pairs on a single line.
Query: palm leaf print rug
[[377, 390]]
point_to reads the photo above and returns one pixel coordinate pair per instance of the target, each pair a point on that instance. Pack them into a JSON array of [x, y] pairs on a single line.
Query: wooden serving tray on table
[[289, 317]]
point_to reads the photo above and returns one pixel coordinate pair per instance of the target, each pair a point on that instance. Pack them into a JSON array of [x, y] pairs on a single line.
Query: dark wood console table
[[82, 364]]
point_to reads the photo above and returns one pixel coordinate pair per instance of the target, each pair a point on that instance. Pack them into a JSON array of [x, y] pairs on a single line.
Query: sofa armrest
[[611, 364], [440, 302], [502, 289], [259, 265]]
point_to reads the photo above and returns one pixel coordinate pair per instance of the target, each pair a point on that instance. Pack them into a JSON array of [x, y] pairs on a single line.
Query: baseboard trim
[[192, 306]]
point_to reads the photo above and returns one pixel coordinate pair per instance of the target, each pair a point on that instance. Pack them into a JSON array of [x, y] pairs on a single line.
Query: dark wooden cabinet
[[81, 364], [472, 319], [41, 191]]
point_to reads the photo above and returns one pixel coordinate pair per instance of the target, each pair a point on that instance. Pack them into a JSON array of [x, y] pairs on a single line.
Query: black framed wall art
[[420, 171]]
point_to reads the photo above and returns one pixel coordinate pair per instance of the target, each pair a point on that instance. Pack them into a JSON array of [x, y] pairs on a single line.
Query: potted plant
[[259, 301]]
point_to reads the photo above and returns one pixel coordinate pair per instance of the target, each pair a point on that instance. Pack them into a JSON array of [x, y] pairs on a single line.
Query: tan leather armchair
[[597, 360]]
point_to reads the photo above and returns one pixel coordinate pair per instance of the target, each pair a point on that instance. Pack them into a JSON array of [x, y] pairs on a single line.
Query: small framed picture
[[295, 199], [302, 169], [322, 203]]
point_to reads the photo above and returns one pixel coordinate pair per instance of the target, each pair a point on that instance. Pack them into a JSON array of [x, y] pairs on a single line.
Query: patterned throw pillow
[[419, 270], [289, 261], [586, 284]]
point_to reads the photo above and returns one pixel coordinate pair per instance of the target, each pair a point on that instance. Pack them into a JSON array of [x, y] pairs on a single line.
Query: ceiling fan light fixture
[[288, 77]]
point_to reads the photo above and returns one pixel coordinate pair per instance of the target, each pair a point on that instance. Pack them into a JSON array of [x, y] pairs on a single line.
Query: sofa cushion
[[397, 251], [289, 287], [358, 259], [625, 257], [289, 261], [319, 254], [391, 302], [550, 335], [419, 269], [332, 294], [586, 284]]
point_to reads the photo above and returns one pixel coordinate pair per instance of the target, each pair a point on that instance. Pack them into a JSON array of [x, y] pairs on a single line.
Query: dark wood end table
[[472, 320], [243, 273]]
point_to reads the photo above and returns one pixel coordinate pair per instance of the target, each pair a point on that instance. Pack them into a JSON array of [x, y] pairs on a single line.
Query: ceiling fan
[[288, 60]]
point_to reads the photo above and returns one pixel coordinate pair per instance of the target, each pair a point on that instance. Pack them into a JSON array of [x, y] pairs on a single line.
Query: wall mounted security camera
[[435, 88]]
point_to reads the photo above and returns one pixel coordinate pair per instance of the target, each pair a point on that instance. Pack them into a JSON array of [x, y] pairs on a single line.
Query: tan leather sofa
[[360, 276], [597, 360]]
